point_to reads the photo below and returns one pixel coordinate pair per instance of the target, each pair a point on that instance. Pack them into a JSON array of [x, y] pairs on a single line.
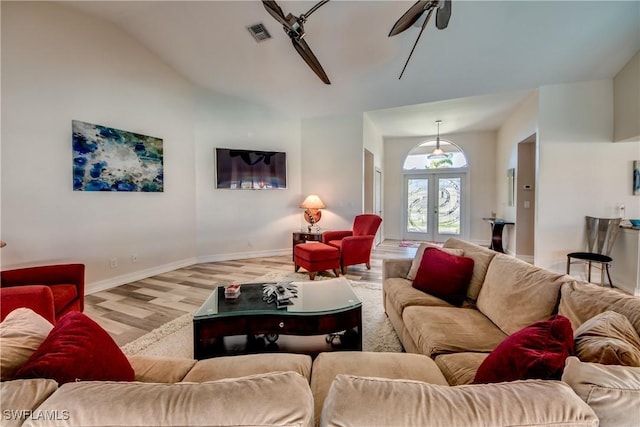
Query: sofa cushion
[[274, 399], [63, 295], [395, 267], [515, 294], [240, 366], [386, 365], [160, 369], [77, 348], [613, 392], [21, 333], [481, 259], [360, 401], [460, 368], [19, 397], [536, 352], [444, 275], [417, 259], [580, 301], [608, 338], [402, 294], [438, 330]]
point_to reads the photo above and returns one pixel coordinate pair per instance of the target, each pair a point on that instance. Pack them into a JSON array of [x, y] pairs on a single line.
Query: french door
[[433, 206]]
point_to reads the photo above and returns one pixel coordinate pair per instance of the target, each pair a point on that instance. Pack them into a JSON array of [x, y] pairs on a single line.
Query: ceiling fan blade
[[305, 52], [426, 21], [275, 11], [443, 15], [411, 16]]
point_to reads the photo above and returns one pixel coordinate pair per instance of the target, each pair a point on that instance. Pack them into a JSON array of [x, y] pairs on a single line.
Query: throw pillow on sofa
[[415, 264], [608, 338], [21, 333], [444, 275], [538, 351], [77, 348]]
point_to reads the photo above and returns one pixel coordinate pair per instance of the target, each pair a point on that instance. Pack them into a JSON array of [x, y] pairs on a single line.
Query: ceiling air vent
[[259, 32]]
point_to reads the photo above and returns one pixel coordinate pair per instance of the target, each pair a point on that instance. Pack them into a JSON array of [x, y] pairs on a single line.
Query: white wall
[[235, 224], [626, 98], [373, 141], [479, 147], [581, 172], [59, 65], [333, 167], [521, 124]]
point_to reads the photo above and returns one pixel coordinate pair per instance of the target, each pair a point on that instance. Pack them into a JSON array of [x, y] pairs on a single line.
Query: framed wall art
[[108, 159], [636, 177]]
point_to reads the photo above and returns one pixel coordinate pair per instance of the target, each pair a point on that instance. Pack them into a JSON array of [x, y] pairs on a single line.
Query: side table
[[497, 225], [303, 237]]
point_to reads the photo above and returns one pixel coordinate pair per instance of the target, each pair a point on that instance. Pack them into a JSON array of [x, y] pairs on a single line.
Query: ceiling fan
[[294, 27], [414, 13]]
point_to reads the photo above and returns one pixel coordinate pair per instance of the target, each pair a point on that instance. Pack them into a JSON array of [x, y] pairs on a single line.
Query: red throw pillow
[[444, 275], [77, 348], [535, 352]]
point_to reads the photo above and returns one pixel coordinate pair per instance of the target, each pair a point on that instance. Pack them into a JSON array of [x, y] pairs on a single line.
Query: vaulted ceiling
[[492, 54]]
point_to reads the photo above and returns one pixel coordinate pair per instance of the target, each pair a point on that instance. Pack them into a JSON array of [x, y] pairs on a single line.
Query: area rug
[[409, 244], [175, 338]]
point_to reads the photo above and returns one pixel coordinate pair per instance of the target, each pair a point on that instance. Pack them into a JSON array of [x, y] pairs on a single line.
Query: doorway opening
[[525, 196]]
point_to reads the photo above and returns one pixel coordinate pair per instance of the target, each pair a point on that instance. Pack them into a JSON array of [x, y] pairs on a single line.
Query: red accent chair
[[35, 297], [65, 283], [355, 245]]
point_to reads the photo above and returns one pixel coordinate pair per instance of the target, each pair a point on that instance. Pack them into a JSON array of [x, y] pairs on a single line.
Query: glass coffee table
[[251, 325]]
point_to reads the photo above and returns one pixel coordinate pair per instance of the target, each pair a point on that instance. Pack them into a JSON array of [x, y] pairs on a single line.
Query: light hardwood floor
[[131, 310]]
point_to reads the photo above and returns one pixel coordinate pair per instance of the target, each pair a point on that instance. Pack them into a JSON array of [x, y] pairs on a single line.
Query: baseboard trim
[[242, 255], [113, 282]]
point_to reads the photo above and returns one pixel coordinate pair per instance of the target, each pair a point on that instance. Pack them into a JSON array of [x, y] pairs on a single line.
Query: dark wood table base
[[221, 336], [497, 226]]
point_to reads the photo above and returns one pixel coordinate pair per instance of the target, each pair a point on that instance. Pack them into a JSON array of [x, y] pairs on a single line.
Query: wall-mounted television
[[250, 169]]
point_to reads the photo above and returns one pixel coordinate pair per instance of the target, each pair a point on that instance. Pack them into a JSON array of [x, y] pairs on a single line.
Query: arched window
[[421, 157]]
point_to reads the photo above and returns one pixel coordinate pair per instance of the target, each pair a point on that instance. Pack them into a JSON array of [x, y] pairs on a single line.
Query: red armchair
[[63, 286], [355, 245], [37, 298]]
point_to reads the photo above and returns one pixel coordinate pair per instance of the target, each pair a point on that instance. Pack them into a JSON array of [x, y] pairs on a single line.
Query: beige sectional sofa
[[348, 388], [504, 296], [429, 385]]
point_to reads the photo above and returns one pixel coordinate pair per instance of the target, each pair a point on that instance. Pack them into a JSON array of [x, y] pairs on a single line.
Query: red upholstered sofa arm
[[46, 275], [37, 298], [335, 235]]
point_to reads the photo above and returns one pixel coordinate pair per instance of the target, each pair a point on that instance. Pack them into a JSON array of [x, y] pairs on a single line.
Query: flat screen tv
[[250, 169]]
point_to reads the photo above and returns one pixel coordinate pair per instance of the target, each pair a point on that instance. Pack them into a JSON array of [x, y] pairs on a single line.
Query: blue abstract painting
[[107, 159]]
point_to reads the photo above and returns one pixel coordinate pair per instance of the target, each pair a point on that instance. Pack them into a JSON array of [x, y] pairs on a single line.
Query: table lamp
[[312, 205]]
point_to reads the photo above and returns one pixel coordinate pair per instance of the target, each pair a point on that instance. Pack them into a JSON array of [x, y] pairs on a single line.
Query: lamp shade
[[312, 202]]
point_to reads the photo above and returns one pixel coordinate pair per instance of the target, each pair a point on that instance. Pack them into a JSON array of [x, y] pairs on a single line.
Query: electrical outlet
[[114, 262], [134, 259]]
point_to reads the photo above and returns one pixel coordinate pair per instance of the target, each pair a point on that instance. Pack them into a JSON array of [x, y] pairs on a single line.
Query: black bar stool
[[601, 234]]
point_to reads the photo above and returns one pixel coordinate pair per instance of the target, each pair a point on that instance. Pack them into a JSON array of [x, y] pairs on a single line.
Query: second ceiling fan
[[294, 27], [415, 12]]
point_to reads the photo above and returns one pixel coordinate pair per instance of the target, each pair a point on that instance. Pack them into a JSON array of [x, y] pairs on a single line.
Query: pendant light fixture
[[438, 153]]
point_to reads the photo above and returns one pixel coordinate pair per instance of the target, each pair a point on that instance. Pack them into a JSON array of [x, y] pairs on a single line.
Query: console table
[[497, 226]]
